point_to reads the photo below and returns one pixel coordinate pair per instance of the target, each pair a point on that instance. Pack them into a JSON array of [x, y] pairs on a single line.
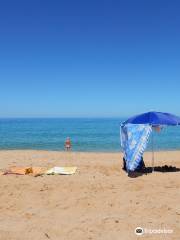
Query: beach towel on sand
[[25, 170], [61, 170], [37, 171]]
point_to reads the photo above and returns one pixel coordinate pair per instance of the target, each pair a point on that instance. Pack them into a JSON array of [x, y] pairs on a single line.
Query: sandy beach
[[98, 202]]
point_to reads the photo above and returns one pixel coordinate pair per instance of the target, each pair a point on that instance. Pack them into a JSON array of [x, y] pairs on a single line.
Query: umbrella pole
[[152, 151]]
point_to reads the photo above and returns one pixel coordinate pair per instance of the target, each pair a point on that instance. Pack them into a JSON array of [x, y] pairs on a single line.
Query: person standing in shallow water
[[67, 144]]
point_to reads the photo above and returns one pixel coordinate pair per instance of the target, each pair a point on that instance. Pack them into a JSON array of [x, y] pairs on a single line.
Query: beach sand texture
[[98, 202]]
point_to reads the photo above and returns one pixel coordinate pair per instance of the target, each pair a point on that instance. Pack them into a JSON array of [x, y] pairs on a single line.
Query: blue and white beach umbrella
[[155, 119], [135, 133]]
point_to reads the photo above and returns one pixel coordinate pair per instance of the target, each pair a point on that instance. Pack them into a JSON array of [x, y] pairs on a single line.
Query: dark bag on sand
[[140, 167], [124, 164]]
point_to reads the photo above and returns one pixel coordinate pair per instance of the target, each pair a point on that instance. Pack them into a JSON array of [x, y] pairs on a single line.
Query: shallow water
[[86, 134]]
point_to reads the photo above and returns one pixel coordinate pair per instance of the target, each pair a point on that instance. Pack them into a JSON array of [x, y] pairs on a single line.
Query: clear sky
[[89, 58]]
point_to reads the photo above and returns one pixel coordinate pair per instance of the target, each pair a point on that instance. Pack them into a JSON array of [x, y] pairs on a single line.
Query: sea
[[86, 134]]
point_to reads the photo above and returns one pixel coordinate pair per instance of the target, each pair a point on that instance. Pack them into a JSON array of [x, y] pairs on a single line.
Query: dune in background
[[98, 202]]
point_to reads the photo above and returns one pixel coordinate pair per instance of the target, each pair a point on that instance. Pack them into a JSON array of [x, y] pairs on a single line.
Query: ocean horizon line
[[53, 117]]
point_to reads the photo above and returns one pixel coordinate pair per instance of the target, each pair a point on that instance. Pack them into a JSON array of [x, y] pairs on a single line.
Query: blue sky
[[89, 58]]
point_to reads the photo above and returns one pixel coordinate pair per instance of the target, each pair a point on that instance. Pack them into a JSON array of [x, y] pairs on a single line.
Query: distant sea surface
[[89, 135]]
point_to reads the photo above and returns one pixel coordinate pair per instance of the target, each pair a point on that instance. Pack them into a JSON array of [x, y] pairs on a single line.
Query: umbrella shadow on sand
[[148, 170]]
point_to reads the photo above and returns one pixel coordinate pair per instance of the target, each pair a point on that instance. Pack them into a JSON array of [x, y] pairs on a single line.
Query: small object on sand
[[28, 170], [47, 235]]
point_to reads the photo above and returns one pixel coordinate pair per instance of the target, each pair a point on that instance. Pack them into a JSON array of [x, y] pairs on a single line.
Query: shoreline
[[88, 152]]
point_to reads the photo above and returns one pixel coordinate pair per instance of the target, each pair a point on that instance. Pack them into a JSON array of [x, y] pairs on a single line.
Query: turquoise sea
[[102, 134]]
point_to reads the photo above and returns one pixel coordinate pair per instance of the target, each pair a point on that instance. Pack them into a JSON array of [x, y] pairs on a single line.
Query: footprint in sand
[[28, 215]]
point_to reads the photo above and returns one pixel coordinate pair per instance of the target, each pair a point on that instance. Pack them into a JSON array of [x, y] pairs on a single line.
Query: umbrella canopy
[[154, 119]]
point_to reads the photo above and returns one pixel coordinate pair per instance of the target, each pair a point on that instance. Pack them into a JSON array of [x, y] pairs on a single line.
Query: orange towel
[[25, 170]]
